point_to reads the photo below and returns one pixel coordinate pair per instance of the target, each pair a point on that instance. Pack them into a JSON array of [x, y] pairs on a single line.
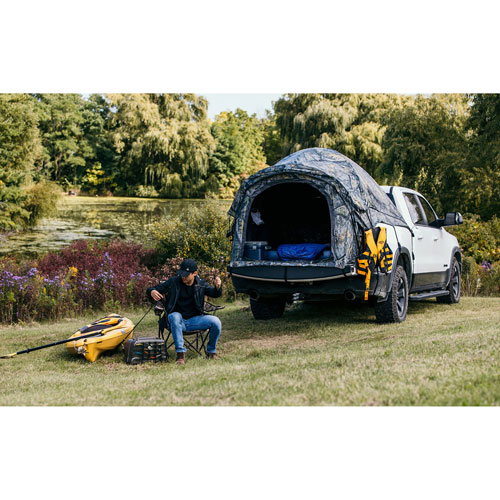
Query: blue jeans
[[178, 325]]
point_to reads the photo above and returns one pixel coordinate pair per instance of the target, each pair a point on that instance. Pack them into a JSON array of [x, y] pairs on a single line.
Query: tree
[[238, 152], [271, 144], [19, 149], [425, 147], [482, 179], [348, 123], [65, 148], [98, 132], [163, 139]]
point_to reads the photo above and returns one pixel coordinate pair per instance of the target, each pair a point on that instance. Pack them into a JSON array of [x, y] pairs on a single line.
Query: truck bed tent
[[315, 195]]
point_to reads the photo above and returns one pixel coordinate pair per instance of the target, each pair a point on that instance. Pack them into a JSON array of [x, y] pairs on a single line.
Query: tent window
[[291, 213]]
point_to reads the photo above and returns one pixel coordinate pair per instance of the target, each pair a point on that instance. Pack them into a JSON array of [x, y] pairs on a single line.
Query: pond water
[[85, 217]]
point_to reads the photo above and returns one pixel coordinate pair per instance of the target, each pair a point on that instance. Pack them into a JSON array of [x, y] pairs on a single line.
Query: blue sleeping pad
[[300, 251]]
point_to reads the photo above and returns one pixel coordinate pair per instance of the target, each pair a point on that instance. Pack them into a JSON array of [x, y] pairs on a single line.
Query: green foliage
[[160, 135], [480, 279], [349, 123], [19, 149], [238, 152], [145, 192], [199, 235], [271, 144], [482, 180], [98, 131], [19, 138], [65, 147], [425, 147], [480, 243], [95, 180], [446, 146], [479, 240], [42, 199]]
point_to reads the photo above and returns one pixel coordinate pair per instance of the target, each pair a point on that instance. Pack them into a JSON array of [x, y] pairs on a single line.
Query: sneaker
[[181, 358], [213, 355]]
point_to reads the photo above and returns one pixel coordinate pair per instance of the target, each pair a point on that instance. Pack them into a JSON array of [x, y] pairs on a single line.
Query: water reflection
[[99, 218]]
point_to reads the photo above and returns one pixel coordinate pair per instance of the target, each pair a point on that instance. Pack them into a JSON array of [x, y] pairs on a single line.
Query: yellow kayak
[[114, 330]]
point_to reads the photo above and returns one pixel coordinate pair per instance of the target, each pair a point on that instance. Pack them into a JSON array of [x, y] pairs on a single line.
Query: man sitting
[[184, 296]]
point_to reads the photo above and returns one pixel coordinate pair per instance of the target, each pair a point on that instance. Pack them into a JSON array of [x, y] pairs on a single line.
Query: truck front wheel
[[267, 308], [394, 309], [453, 285]]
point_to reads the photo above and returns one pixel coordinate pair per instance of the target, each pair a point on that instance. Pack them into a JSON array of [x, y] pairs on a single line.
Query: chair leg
[[198, 344], [168, 346], [193, 346], [204, 341]]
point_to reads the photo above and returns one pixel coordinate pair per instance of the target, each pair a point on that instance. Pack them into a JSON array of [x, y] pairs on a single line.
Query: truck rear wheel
[[267, 308], [453, 286], [394, 309]]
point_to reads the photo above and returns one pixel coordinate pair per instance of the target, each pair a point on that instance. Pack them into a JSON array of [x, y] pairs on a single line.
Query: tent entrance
[[293, 212]]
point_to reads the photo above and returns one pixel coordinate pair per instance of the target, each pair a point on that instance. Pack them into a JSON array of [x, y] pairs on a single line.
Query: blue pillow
[[300, 251]]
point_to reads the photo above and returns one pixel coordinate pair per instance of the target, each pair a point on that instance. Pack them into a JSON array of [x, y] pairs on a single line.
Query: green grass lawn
[[314, 355]]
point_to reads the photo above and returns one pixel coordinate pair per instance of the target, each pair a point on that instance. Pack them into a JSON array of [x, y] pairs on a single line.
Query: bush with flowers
[[87, 275], [480, 243]]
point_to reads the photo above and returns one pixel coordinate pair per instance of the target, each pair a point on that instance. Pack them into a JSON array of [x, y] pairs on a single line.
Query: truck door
[[431, 258]]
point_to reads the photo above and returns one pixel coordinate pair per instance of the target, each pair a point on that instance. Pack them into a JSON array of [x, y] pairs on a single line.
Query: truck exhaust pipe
[[349, 295]]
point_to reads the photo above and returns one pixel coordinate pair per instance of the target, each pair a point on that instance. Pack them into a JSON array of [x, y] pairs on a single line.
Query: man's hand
[[156, 295], [218, 282]]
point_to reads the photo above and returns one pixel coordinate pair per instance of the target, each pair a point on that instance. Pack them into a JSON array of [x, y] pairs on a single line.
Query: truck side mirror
[[453, 219]]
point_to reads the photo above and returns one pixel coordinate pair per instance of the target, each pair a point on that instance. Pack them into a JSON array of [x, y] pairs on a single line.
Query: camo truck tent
[[316, 196]]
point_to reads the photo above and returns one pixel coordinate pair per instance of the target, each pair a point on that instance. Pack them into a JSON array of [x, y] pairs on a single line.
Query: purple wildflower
[[486, 265]]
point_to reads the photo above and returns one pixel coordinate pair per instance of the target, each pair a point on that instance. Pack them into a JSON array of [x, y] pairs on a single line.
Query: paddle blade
[[5, 356]]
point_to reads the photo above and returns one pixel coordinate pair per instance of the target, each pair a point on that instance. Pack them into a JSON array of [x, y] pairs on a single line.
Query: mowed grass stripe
[[332, 354]]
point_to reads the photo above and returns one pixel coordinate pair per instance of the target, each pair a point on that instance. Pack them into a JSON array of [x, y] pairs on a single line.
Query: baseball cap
[[188, 266]]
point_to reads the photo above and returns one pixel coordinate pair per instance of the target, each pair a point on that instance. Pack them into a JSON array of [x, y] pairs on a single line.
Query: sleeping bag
[[301, 251]]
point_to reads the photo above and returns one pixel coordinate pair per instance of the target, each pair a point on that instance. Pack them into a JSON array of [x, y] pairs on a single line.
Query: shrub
[[145, 192], [480, 279], [199, 235], [108, 270], [479, 239], [96, 182], [42, 200], [27, 295], [87, 275]]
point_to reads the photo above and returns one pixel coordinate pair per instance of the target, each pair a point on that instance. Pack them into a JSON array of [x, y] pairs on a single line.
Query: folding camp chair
[[195, 340]]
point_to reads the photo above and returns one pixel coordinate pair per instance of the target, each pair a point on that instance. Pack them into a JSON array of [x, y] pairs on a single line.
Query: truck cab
[[433, 248]]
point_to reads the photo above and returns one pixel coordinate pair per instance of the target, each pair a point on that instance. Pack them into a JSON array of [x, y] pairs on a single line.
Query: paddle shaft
[[59, 342]]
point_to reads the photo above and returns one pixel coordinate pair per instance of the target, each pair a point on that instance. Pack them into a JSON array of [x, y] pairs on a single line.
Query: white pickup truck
[[428, 261], [321, 203]]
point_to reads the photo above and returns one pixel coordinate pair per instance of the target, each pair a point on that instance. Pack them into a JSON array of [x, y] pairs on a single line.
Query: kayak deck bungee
[[113, 329]]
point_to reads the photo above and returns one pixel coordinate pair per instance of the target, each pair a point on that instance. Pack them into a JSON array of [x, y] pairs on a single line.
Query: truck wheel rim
[[455, 281], [401, 297]]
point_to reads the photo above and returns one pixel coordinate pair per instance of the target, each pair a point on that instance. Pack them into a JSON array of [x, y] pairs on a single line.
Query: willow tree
[[164, 141], [425, 147], [349, 123], [19, 149]]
